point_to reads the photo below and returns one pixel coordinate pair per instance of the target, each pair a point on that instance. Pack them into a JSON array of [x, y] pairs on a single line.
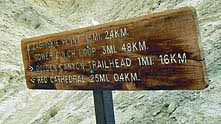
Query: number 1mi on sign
[[159, 51]]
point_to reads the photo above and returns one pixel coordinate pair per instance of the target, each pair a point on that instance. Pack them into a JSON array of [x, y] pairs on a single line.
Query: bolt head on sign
[[159, 51]]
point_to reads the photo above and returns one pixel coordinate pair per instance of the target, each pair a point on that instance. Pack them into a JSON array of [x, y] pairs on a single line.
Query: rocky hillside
[[26, 18]]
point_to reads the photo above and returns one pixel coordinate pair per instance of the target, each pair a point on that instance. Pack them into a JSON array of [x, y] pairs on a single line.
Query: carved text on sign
[[158, 51]]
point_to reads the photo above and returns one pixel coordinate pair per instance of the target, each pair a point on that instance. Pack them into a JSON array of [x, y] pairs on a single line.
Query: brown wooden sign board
[[154, 52]]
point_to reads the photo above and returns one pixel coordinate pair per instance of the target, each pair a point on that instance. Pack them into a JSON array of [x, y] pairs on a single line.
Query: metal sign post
[[104, 109]]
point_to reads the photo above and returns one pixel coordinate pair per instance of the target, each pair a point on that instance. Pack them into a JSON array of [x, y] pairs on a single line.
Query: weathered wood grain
[[172, 35]]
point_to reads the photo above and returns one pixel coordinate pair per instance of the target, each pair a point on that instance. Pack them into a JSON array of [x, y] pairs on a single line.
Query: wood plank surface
[[159, 51]]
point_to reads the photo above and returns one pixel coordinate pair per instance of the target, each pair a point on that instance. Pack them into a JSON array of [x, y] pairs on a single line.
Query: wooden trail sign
[[154, 52]]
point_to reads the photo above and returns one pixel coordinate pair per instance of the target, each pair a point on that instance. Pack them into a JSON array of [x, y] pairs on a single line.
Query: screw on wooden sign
[[154, 52]]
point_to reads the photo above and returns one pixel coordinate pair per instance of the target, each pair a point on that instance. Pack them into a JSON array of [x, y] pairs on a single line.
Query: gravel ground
[[26, 18]]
